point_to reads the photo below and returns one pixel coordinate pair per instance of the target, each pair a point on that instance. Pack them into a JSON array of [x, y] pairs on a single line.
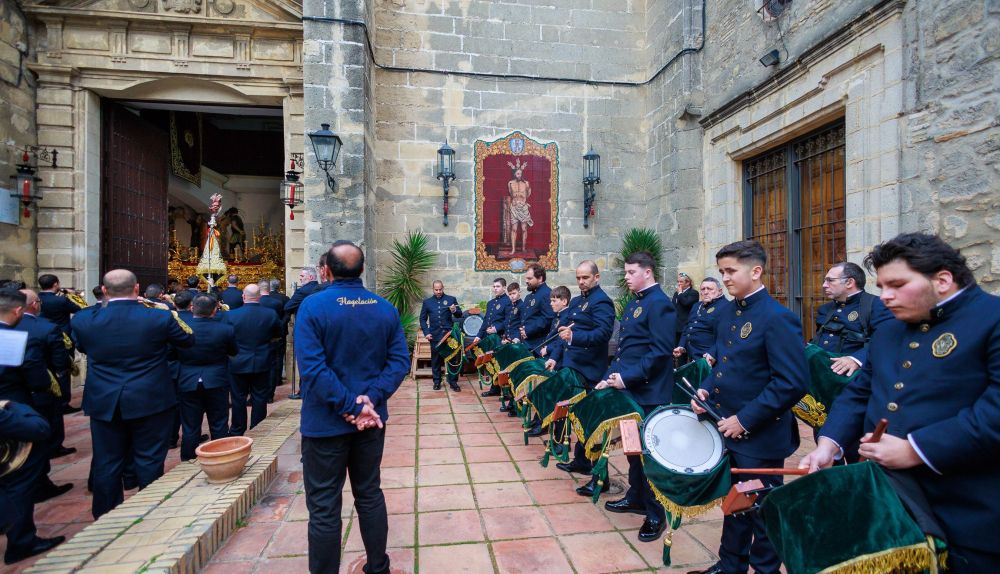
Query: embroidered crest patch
[[584, 306], [711, 310], [532, 303], [745, 330], [853, 316], [638, 311], [944, 345]]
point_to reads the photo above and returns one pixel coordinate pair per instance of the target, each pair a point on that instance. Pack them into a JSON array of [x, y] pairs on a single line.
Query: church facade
[[819, 128]]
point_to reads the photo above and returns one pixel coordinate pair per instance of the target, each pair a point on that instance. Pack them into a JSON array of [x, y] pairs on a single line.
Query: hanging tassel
[[668, 538], [601, 473]]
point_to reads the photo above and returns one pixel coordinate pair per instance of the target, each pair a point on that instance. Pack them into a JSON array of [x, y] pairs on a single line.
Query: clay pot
[[223, 459]]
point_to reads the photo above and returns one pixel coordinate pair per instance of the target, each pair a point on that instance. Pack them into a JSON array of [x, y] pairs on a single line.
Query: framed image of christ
[[517, 192]]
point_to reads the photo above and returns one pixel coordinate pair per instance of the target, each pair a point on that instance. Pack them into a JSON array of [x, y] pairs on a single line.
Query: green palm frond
[[637, 239], [411, 260], [410, 324]]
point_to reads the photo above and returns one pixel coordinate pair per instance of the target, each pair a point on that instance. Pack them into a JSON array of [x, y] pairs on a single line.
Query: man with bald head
[[256, 327], [437, 315], [130, 395]]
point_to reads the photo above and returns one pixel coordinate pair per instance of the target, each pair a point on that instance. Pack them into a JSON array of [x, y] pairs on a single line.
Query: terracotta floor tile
[[406, 419], [483, 472], [437, 419], [436, 429], [433, 409], [462, 418], [287, 482], [476, 428], [401, 533], [577, 517], [399, 458], [685, 551], [481, 440], [708, 534], [459, 558], [283, 565], [400, 561], [533, 471], [448, 497], [438, 441], [297, 510], [449, 527], [531, 452], [401, 477], [398, 443], [467, 408], [451, 455], [486, 454], [290, 539], [512, 438], [243, 567], [272, 508], [553, 491], [248, 542], [442, 474], [501, 494], [602, 552], [394, 430], [399, 500], [515, 522], [529, 556]]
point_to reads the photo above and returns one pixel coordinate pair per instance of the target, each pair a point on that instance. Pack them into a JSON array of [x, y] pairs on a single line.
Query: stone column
[[336, 76]]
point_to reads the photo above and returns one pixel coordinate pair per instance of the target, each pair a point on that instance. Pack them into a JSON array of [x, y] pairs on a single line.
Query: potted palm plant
[[634, 240], [403, 282]]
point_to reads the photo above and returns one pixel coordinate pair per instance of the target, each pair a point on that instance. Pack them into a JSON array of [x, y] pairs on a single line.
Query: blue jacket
[[58, 309], [759, 374], [436, 318], [126, 346], [207, 363], [256, 327], [48, 344], [699, 333], [22, 423], [274, 304], [593, 318], [536, 316], [233, 297], [496, 315], [292, 306], [839, 328], [684, 303], [555, 347], [938, 383], [348, 342], [645, 358], [513, 328], [18, 383]]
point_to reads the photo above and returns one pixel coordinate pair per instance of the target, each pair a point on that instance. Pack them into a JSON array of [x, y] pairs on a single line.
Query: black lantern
[[446, 172], [326, 146], [591, 177], [291, 188], [25, 180]]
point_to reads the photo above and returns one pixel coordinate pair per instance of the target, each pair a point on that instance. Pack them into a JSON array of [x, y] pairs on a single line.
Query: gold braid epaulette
[[76, 299], [54, 385], [184, 326], [67, 342]]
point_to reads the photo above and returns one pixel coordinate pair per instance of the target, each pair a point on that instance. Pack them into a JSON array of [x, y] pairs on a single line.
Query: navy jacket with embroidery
[[593, 318], [645, 347], [536, 316]]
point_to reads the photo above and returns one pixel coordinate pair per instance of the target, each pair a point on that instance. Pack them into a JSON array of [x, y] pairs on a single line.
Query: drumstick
[[771, 471], [691, 392], [546, 341], [877, 434]]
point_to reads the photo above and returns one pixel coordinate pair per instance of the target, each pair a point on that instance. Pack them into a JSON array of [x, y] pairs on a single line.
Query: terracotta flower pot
[[223, 459]]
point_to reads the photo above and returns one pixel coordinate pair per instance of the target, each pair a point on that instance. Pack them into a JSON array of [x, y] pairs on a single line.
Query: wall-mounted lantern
[[326, 146], [291, 188], [25, 181], [591, 177], [446, 173]]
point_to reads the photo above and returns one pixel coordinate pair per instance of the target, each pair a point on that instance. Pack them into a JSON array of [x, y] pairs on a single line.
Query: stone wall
[[17, 124], [951, 148]]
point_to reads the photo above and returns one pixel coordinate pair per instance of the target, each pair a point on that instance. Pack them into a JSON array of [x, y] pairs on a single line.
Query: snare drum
[[595, 420], [676, 439], [471, 325]]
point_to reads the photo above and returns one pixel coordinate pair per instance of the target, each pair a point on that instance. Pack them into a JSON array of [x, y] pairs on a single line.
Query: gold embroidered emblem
[[745, 331], [497, 307], [710, 310], [944, 345], [532, 303], [584, 306], [853, 316], [637, 312]]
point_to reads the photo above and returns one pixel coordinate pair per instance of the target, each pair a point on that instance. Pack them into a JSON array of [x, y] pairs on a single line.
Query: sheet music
[[12, 345]]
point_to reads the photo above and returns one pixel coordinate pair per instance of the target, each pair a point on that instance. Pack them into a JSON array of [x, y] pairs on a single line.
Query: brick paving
[[465, 495]]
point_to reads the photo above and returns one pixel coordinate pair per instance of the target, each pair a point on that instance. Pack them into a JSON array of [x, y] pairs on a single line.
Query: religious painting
[[185, 146], [517, 189]]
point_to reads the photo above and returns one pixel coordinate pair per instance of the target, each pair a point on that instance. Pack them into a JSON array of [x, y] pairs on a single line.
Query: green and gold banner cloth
[[824, 387]]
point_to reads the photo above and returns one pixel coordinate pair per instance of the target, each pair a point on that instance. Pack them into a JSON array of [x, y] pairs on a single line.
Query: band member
[[256, 329], [536, 313], [232, 295], [933, 374], [552, 351], [437, 315], [643, 368], [308, 284], [495, 319], [59, 307], [845, 324], [684, 299], [759, 373], [699, 333], [511, 331], [129, 394], [278, 352]]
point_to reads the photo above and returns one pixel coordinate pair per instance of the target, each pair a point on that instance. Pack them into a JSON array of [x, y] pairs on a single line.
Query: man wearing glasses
[[845, 324]]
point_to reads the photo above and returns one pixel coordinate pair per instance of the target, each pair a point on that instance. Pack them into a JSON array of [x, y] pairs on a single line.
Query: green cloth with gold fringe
[[563, 385], [595, 422], [508, 355], [846, 520], [527, 375], [695, 372], [824, 387], [489, 343]]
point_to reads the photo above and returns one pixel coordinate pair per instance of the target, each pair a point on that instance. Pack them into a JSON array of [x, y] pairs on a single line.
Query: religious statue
[[211, 264], [237, 234], [517, 210]]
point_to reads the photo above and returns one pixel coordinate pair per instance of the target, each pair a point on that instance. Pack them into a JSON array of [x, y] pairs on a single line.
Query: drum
[[527, 376], [471, 325], [846, 519], [676, 439], [595, 423], [824, 387], [508, 357], [563, 385]]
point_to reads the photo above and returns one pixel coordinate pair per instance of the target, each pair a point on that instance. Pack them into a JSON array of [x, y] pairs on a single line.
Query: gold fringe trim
[[548, 419], [596, 436], [54, 385], [911, 558], [677, 510], [526, 384]]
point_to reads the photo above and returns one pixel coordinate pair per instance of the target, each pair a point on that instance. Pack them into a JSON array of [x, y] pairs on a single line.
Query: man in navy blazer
[[759, 372], [278, 353], [495, 318], [231, 295], [352, 354], [934, 373], [203, 376], [58, 309], [130, 395], [643, 368], [536, 311], [437, 315], [256, 329], [307, 278]]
